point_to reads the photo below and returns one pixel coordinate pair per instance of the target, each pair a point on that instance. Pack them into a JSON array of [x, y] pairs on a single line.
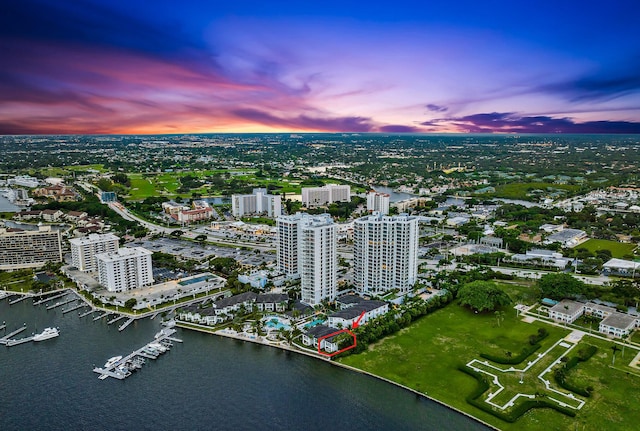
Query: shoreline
[[338, 364]]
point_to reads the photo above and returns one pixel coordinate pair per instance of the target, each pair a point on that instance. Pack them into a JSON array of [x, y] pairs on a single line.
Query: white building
[[257, 203], [24, 181], [85, 249], [319, 259], [125, 269], [385, 253], [318, 196], [378, 202], [29, 248], [288, 236]]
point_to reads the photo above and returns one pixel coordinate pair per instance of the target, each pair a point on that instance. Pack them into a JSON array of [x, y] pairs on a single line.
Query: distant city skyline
[[91, 67]]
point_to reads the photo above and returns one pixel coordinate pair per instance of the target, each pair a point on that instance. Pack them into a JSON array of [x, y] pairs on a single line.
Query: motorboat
[[46, 334]]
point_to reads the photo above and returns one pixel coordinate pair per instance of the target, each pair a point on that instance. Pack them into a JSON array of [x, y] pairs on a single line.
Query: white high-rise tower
[[385, 253], [307, 246]]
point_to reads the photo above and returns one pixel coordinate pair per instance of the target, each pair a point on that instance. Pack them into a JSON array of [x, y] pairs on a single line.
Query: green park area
[[617, 249], [427, 356], [526, 190]]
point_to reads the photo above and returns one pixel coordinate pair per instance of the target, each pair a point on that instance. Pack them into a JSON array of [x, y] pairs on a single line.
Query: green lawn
[[617, 249], [426, 355], [522, 190]]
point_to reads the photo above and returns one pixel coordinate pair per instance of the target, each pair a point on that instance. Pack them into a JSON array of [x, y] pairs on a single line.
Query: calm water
[[393, 195], [7, 206], [205, 383]]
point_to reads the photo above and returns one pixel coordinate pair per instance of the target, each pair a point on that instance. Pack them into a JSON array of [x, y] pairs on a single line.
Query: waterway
[[7, 206], [393, 195], [208, 382]]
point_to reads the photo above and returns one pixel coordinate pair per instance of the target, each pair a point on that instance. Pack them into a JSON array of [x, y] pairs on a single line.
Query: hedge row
[[527, 351], [534, 344], [560, 376], [513, 414]]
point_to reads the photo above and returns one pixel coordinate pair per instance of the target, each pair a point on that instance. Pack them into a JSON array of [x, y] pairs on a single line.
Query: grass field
[[617, 249], [426, 355], [522, 190]]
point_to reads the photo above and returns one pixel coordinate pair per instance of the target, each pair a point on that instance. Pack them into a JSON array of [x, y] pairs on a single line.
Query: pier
[[58, 304], [122, 368], [5, 294], [4, 339], [51, 298], [69, 310], [125, 324], [15, 301], [87, 313], [10, 343], [101, 316], [115, 319]]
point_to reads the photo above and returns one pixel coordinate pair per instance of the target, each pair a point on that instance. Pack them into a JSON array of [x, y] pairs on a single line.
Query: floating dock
[[59, 304], [15, 301], [102, 315], [115, 319], [122, 368], [6, 338], [74, 308], [51, 298], [125, 324], [87, 313], [10, 343]]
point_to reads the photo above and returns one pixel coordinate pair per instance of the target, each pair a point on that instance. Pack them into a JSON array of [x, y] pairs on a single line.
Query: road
[[190, 233]]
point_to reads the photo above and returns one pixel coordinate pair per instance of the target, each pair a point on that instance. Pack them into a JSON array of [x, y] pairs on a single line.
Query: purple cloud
[[305, 122], [436, 108], [509, 122], [398, 128]]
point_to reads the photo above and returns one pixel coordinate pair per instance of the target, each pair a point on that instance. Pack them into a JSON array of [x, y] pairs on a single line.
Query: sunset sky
[[431, 66]]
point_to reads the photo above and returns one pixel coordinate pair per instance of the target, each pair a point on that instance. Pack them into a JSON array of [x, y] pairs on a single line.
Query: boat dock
[[15, 301], [74, 308], [58, 304], [115, 319], [10, 343], [122, 368], [51, 298], [4, 339], [87, 313], [101, 316], [125, 324]]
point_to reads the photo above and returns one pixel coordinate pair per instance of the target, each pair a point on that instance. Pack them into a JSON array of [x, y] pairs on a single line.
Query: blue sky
[[249, 66]]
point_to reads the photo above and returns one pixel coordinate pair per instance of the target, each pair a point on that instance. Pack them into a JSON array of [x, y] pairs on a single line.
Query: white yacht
[[46, 334], [111, 362]]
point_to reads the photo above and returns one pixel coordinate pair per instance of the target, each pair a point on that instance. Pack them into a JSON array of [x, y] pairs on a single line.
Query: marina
[[4, 339], [21, 298], [50, 298], [76, 307], [59, 304], [119, 367], [105, 314], [87, 313], [125, 324], [115, 319]]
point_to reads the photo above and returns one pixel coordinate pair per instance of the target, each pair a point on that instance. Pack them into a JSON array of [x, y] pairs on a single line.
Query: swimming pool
[[276, 322], [314, 322]]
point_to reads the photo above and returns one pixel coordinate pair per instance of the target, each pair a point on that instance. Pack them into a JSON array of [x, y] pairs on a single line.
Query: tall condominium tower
[[84, 250], [307, 247], [125, 269], [317, 196], [378, 202], [257, 203], [385, 253]]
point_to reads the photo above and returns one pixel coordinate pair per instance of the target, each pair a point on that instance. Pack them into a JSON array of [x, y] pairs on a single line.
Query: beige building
[[29, 248]]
